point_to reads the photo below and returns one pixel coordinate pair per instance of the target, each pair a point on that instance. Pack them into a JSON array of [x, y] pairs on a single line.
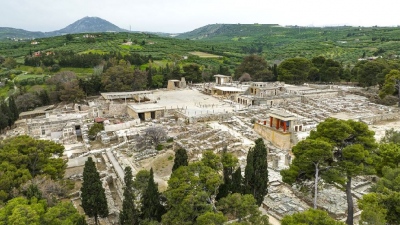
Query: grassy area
[[4, 91], [94, 51], [28, 76], [204, 55], [78, 70]]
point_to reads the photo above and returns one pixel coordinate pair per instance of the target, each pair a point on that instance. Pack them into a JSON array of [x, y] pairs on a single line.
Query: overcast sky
[[177, 16]]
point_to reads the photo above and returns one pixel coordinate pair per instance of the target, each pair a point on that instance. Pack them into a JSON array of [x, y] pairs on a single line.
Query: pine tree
[[151, 206], [94, 201], [181, 159], [256, 172], [128, 213]]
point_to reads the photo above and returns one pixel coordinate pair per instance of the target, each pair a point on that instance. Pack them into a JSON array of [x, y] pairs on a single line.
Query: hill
[[89, 25], [344, 43], [217, 31], [13, 33], [276, 43], [84, 25]]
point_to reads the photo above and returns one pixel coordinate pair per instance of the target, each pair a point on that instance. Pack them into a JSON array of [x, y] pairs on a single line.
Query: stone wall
[[132, 113], [276, 101], [279, 139], [117, 109], [322, 94], [122, 126], [377, 118]]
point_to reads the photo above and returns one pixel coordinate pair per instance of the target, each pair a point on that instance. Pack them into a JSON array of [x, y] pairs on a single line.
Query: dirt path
[[272, 220]]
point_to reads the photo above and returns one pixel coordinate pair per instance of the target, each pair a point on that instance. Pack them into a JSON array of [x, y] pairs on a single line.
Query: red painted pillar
[[270, 121], [277, 123], [284, 126], [265, 122]]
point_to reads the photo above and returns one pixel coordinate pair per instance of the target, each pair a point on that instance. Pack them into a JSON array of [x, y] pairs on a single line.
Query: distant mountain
[[89, 25], [8, 32], [84, 25], [215, 31]]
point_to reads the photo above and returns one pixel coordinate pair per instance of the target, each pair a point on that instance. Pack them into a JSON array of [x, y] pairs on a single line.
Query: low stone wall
[[122, 126], [377, 118]]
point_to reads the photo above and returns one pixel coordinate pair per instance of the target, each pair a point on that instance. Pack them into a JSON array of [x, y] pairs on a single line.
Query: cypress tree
[[256, 172], [248, 173], [237, 186], [128, 213], [3, 121], [7, 112], [228, 164], [181, 159], [151, 206], [94, 201], [13, 108]]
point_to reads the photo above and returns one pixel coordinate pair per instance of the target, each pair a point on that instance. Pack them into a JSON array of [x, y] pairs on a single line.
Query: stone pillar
[[275, 162], [288, 159]]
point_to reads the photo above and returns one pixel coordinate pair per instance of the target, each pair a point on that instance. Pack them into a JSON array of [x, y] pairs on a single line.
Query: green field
[[28, 76], [205, 55]]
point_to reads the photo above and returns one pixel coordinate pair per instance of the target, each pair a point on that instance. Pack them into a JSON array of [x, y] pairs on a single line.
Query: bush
[[159, 147], [96, 128], [171, 139]]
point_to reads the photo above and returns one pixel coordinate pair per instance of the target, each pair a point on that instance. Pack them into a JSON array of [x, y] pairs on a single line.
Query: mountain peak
[[89, 25]]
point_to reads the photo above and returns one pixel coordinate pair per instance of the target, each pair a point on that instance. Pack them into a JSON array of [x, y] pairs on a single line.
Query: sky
[[177, 16]]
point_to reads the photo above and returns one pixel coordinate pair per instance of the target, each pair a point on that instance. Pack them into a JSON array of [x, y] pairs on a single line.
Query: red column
[[277, 123], [284, 126], [270, 121]]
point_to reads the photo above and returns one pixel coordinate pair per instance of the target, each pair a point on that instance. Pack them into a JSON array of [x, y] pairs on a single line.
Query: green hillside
[[275, 42], [145, 44]]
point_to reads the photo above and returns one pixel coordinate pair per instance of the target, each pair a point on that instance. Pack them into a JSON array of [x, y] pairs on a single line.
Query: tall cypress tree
[[181, 159], [128, 215], [256, 172], [13, 108], [94, 201], [151, 206], [237, 185], [6, 111], [229, 163]]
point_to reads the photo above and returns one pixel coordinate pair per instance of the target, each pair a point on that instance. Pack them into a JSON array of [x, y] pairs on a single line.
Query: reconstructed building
[[279, 129], [176, 84], [137, 96], [145, 112]]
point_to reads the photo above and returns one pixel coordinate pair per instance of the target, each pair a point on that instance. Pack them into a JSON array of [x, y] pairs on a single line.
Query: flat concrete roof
[[122, 95], [228, 89], [282, 115], [298, 88], [140, 108], [220, 75]]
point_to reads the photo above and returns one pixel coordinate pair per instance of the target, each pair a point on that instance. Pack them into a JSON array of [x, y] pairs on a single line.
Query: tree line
[[89, 60], [32, 185], [210, 191]]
